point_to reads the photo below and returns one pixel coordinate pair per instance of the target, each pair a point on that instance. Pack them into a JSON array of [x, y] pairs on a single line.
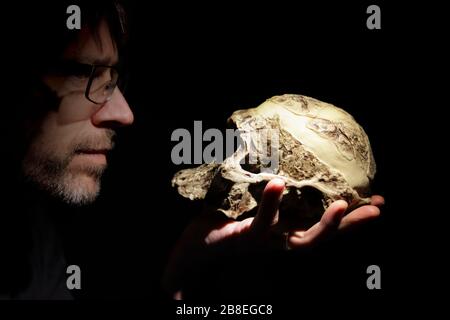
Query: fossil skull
[[323, 156]]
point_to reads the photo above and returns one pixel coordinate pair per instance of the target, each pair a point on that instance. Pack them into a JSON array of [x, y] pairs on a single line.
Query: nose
[[114, 112]]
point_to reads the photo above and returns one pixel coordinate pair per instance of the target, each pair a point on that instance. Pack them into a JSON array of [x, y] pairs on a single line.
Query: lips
[[92, 156], [93, 151]]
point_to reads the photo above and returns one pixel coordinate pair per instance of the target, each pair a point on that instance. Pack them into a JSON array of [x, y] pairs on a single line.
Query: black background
[[203, 61]]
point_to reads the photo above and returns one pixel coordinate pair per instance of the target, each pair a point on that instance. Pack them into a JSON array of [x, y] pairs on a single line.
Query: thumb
[[268, 210]]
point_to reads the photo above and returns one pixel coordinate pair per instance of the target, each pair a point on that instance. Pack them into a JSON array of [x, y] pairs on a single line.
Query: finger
[[268, 210], [359, 216], [328, 224], [228, 230], [377, 200]]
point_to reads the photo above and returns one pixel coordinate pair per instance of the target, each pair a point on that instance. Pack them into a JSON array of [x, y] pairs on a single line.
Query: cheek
[[74, 107], [55, 139]]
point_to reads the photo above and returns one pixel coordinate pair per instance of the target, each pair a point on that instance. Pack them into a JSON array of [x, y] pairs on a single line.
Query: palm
[[266, 221], [210, 234]]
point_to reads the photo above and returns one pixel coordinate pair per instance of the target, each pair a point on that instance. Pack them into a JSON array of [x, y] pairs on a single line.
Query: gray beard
[[52, 175]]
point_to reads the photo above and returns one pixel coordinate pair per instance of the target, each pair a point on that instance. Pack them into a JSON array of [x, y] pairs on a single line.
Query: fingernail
[[278, 182]]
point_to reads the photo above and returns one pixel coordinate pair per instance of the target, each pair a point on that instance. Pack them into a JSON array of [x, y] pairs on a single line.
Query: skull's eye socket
[[249, 165], [302, 208]]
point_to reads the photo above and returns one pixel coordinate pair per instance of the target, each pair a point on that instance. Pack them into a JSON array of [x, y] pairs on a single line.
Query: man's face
[[68, 154]]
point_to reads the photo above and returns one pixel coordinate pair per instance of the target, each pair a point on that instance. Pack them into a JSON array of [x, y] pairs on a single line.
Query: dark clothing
[[47, 260], [40, 237], [35, 262]]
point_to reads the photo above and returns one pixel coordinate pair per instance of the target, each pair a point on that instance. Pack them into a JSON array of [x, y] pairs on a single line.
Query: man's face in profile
[[67, 156]]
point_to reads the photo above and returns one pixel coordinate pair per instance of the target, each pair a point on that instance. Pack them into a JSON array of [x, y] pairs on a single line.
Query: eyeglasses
[[102, 82], [101, 79]]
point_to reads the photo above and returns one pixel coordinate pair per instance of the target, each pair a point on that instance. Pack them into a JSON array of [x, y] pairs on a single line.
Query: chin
[[79, 190]]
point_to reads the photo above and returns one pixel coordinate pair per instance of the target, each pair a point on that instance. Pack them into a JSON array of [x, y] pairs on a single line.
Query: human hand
[[210, 236]]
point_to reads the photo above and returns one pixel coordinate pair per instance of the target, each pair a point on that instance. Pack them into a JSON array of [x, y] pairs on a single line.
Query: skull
[[321, 153]]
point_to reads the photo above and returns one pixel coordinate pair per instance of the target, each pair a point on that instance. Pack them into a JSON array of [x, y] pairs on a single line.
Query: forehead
[[90, 47]]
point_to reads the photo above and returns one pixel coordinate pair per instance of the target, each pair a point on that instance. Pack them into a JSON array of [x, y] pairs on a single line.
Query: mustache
[[102, 142]]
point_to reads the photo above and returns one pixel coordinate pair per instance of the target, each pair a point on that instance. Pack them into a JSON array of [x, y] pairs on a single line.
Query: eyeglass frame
[[69, 68], [91, 79]]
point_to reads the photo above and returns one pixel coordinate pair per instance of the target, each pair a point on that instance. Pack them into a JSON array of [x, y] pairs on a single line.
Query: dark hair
[[39, 33]]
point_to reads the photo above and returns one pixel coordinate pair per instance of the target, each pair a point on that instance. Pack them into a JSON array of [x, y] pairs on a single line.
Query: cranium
[[324, 155]]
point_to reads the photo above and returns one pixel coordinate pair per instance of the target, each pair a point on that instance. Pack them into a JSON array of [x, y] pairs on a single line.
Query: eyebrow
[[83, 66], [108, 61]]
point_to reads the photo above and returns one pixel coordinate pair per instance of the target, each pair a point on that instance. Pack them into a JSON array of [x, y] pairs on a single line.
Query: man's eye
[[109, 86]]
